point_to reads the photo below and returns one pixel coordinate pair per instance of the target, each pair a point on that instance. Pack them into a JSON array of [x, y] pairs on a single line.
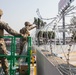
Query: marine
[[25, 31], [3, 50]]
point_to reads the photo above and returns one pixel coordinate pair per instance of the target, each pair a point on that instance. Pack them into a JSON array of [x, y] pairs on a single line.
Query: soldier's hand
[[22, 35]]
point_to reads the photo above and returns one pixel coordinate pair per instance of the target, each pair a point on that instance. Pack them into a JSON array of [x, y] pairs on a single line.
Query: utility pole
[[63, 18], [38, 32]]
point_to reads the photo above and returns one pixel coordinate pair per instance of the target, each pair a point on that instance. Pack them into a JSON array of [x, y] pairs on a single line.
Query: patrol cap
[[1, 12], [27, 23]]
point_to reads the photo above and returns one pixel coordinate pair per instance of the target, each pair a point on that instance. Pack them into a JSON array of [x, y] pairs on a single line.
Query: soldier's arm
[[9, 29], [32, 27]]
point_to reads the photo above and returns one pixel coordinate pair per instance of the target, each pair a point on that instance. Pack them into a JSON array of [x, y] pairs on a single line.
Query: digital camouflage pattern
[[3, 50], [25, 31]]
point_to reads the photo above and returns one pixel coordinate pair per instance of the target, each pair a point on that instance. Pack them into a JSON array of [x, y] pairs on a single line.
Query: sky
[[16, 12]]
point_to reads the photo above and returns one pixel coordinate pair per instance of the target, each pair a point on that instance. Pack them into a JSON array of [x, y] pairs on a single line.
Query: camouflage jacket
[[25, 33], [5, 26]]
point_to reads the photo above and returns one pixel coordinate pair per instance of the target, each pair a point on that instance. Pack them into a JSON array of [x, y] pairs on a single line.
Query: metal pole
[[38, 32], [28, 53], [63, 17]]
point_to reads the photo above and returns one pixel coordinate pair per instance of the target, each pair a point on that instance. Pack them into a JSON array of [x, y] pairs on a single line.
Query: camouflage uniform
[[3, 50], [25, 31]]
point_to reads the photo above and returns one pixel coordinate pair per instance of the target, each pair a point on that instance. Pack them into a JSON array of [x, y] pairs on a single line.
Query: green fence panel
[[12, 57]]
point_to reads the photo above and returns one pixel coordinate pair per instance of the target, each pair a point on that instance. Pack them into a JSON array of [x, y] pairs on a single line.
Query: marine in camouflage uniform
[[3, 50], [25, 31]]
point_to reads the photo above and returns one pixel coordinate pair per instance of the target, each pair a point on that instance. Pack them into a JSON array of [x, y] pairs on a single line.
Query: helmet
[[1, 12], [27, 23]]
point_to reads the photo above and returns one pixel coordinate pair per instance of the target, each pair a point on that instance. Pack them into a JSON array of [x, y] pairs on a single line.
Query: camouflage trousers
[[23, 50], [4, 62], [23, 47]]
